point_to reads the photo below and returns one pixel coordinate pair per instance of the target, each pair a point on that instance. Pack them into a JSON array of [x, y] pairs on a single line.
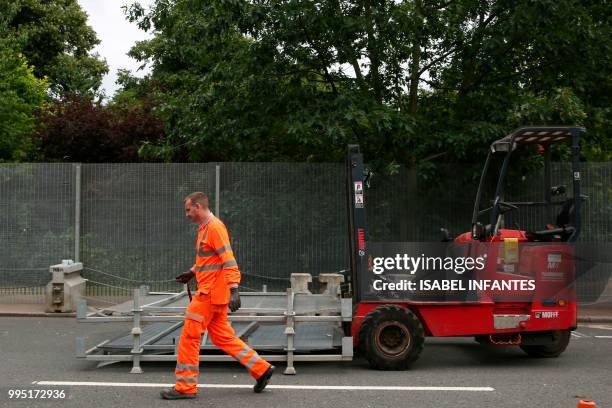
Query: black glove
[[234, 303], [185, 277]]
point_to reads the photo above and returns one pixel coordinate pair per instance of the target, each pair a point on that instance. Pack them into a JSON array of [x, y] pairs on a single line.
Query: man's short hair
[[197, 198]]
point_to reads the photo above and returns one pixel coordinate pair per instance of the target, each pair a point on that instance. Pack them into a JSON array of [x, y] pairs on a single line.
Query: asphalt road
[[42, 349]]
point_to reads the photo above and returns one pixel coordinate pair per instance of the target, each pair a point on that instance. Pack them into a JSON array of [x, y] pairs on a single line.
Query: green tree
[[411, 81], [56, 40], [551, 57], [231, 96], [21, 96]]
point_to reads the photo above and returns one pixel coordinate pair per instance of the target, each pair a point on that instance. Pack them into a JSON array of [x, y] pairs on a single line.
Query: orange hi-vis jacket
[[215, 267]]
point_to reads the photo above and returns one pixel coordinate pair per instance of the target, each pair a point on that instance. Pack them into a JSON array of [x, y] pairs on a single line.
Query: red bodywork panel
[[477, 318], [470, 319]]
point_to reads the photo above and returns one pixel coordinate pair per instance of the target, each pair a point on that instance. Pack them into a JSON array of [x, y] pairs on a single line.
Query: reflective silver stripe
[[252, 361], [189, 367], [187, 379], [208, 267], [206, 253], [223, 249], [195, 316], [230, 263], [242, 353]]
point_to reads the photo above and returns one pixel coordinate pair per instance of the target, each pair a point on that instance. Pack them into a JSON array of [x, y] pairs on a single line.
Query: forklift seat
[[564, 228]]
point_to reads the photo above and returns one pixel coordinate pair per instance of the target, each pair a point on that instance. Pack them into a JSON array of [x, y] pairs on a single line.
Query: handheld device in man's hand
[[185, 277]]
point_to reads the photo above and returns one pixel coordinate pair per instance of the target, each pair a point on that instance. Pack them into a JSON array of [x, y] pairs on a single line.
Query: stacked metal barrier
[[295, 325]]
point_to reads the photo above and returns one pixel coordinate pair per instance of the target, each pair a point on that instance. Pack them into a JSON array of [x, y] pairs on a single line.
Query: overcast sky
[[117, 36]]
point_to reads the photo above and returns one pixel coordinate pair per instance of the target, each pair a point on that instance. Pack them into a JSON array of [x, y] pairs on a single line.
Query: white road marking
[[604, 337], [274, 387], [578, 334]]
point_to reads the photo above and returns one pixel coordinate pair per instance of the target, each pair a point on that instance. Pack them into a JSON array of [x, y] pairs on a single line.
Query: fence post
[[77, 213], [217, 189]]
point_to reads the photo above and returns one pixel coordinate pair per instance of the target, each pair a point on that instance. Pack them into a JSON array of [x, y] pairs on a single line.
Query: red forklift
[[390, 333]]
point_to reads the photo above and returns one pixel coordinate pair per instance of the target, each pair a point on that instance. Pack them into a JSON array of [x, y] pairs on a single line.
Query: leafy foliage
[[55, 38], [411, 81], [80, 130], [21, 95]]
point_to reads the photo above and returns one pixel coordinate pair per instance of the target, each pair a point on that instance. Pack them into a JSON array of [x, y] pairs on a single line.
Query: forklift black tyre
[[391, 337], [560, 341]]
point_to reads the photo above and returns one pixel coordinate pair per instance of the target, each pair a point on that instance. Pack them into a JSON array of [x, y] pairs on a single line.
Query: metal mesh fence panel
[[597, 202], [407, 207], [36, 226], [282, 217], [134, 230], [391, 206], [445, 199]]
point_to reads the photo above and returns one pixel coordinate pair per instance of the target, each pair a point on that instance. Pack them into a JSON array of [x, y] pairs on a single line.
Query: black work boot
[[172, 394], [263, 380]]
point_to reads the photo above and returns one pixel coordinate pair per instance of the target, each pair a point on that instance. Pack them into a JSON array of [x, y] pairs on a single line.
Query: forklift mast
[[355, 186]]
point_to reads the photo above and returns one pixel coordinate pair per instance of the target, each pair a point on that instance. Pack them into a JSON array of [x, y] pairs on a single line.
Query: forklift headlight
[[511, 250]]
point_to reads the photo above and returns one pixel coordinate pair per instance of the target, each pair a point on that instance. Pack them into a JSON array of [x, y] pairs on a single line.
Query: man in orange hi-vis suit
[[218, 277]]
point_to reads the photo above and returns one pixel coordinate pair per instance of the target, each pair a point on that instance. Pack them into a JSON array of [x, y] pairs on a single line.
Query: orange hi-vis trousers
[[200, 316]]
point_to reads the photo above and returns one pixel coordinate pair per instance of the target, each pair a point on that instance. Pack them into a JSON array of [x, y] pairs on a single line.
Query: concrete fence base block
[[300, 281], [331, 283]]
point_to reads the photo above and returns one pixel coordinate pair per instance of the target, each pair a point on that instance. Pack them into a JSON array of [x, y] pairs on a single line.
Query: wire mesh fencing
[[36, 225], [126, 222]]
